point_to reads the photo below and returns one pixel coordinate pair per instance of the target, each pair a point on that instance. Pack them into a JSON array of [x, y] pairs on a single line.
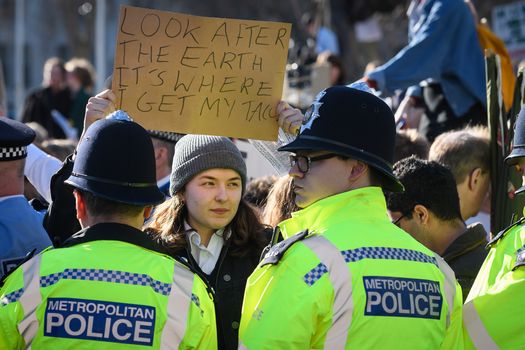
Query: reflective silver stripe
[[242, 346], [476, 331], [450, 284], [341, 280], [179, 301], [30, 300]]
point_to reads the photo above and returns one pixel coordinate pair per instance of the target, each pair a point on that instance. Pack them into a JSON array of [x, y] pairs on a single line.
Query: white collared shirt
[[163, 181], [206, 257]]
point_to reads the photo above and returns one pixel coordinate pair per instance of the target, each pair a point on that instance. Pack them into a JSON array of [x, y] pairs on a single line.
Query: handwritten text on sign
[[192, 74]]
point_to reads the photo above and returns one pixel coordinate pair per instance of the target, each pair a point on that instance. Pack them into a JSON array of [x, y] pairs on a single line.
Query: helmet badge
[[313, 112]]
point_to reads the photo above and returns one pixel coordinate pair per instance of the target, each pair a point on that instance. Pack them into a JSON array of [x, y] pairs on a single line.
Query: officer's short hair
[[170, 147], [97, 206], [462, 151], [426, 183]]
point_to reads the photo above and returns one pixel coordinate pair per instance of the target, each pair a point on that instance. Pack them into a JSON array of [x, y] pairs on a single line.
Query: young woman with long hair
[[207, 223]]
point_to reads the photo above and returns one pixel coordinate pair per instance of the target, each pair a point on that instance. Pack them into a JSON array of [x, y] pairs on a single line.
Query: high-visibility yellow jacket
[[500, 260], [109, 291], [355, 282], [493, 311]]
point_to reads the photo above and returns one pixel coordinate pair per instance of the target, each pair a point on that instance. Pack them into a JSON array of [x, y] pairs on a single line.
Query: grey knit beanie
[[196, 153]]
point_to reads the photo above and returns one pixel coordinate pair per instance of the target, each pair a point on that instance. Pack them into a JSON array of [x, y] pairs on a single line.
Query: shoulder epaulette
[[276, 252], [20, 263], [501, 233], [520, 258]]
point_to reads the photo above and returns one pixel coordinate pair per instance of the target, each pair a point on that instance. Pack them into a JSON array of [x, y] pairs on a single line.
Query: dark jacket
[[228, 280], [39, 104], [466, 254], [60, 220]]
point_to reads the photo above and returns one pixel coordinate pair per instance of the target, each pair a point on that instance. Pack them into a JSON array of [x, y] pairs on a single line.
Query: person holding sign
[[208, 224], [345, 277]]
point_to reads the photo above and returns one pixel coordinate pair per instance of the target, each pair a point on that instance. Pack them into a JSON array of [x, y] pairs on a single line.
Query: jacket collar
[[474, 236], [363, 203], [111, 231]]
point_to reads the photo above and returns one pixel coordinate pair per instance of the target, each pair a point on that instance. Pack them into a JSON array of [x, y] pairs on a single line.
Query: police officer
[[110, 286], [164, 147], [345, 277], [21, 228], [493, 312]]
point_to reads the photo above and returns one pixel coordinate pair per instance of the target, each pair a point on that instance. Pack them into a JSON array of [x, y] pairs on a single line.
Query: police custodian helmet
[[115, 160], [352, 123], [518, 143]]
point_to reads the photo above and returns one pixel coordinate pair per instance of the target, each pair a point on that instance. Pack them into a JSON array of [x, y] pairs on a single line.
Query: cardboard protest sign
[[200, 75]]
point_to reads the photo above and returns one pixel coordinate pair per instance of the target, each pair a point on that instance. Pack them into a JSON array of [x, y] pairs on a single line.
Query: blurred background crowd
[[358, 34], [55, 54]]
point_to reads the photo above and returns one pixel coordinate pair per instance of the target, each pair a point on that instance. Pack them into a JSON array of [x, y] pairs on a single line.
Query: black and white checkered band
[[12, 153], [166, 135]]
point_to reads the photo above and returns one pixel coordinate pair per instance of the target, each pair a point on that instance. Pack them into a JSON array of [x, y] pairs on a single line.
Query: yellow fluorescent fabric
[[105, 295], [356, 282]]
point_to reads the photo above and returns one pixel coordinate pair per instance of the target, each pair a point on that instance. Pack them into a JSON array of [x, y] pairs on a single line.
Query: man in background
[[466, 153], [164, 147], [429, 211], [51, 98]]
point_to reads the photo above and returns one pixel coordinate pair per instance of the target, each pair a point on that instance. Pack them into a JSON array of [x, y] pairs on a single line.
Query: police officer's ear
[[358, 169], [421, 214], [80, 205], [161, 155]]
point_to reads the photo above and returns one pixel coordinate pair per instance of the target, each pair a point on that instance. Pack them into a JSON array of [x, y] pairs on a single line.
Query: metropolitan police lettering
[[404, 297], [98, 320]]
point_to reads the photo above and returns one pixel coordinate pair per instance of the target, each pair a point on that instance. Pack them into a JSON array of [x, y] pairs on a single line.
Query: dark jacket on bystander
[[466, 255]]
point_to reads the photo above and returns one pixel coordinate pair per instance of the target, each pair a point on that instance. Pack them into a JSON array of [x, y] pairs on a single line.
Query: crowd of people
[[114, 236]]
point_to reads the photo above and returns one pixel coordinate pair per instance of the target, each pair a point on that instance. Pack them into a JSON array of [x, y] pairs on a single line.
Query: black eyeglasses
[[303, 162], [396, 221]]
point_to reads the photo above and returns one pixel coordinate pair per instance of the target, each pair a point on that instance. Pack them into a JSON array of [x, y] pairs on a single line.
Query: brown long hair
[[247, 232], [281, 202]]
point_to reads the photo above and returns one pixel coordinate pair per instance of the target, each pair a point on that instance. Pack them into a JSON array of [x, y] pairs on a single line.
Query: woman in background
[[80, 80]]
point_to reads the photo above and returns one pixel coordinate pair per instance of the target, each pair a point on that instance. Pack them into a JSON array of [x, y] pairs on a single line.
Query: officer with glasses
[[345, 277]]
